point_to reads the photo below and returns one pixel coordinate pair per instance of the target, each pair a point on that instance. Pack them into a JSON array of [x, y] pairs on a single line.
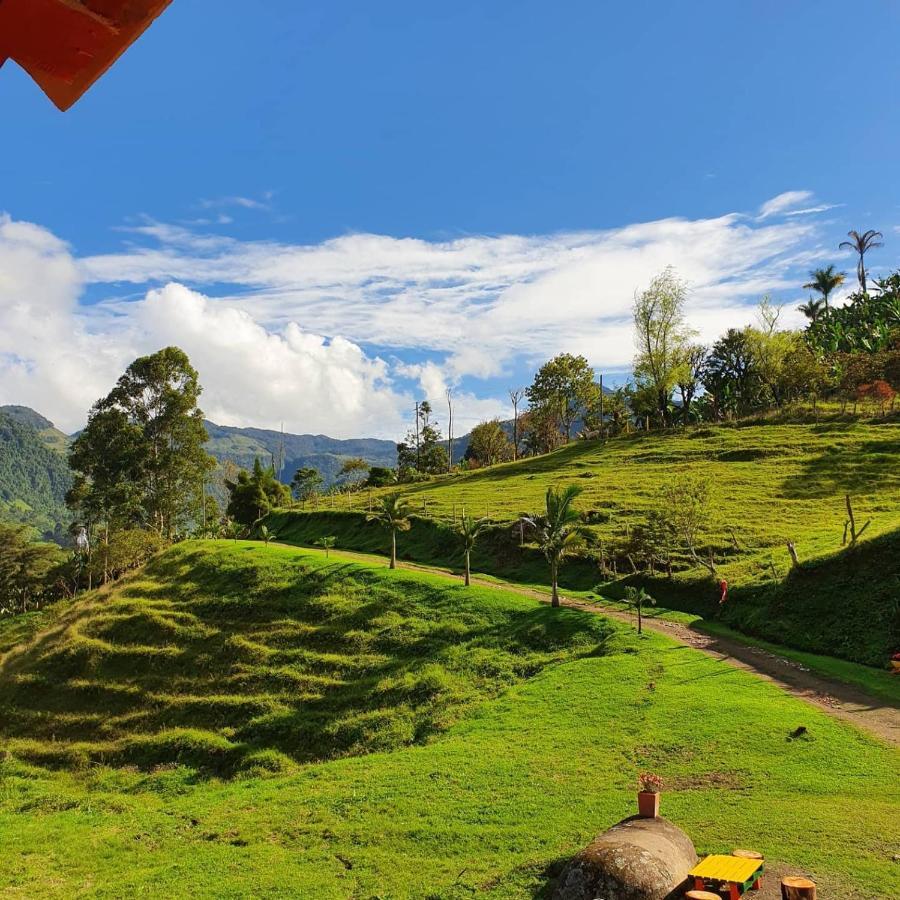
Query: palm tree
[[824, 281], [813, 309], [266, 534], [559, 532], [469, 530], [860, 243], [638, 598], [393, 513]]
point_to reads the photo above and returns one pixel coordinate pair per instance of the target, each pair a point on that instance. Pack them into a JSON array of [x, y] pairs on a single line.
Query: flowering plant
[[650, 784]]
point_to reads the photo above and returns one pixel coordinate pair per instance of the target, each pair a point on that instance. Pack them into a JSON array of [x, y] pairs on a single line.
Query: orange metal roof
[[66, 45]]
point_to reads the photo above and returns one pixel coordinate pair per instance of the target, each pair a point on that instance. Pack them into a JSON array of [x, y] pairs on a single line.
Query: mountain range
[[34, 472]]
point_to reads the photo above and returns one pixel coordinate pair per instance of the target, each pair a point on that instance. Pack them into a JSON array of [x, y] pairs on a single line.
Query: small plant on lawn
[[265, 534], [393, 513], [559, 532], [638, 598], [326, 543], [650, 783], [469, 530]]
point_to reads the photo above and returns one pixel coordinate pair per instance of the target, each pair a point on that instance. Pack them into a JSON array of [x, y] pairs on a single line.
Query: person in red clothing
[[723, 587]]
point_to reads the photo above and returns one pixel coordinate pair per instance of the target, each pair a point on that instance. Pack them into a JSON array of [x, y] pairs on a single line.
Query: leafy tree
[[540, 430], [422, 453], [686, 508], [689, 377], [861, 244], [558, 531], [306, 483], [730, 377], [563, 389], [770, 348], [662, 338], [354, 471], [141, 458], [489, 443], [28, 570], [469, 530], [393, 513], [638, 598], [381, 476], [255, 493], [824, 282]]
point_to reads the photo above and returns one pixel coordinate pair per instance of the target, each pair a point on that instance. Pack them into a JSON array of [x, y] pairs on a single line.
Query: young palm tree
[[860, 243], [813, 309], [266, 534], [559, 532], [393, 513], [469, 530], [638, 598], [824, 281]]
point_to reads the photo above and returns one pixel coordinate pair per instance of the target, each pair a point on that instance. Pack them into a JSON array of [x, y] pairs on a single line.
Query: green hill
[[392, 736], [242, 446], [771, 484], [51, 435], [34, 477]]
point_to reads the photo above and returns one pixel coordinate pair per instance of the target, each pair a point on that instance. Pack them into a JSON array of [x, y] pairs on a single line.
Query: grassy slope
[[489, 806], [232, 657], [771, 483]]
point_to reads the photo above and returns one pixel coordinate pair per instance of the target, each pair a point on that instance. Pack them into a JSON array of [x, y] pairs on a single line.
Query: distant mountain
[[51, 435], [34, 477], [241, 446]]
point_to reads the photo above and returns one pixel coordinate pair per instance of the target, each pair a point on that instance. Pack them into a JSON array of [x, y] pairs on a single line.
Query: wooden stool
[[795, 887], [702, 895]]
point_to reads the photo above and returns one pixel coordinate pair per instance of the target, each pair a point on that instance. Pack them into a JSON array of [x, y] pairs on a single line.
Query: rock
[[637, 859]]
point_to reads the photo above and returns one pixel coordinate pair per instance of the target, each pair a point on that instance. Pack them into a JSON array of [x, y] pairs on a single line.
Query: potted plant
[[648, 795]]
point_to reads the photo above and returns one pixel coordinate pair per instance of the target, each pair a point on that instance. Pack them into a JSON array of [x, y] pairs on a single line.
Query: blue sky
[[337, 207]]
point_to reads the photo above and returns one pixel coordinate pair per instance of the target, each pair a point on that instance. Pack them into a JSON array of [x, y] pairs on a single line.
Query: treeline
[[847, 355]]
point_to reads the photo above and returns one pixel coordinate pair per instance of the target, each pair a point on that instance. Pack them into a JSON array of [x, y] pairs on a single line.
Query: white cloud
[[252, 314], [785, 202]]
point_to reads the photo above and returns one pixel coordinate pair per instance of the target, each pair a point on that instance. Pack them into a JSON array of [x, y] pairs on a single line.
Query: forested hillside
[[33, 477], [242, 446]]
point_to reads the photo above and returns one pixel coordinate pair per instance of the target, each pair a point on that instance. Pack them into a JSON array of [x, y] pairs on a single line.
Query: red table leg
[[734, 892]]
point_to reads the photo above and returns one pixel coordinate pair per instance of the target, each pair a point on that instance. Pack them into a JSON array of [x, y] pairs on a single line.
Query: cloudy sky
[[358, 213]]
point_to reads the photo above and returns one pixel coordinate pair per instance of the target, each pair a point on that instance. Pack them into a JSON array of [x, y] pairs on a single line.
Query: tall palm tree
[[393, 513], [824, 281], [469, 530], [559, 531], [812, 310], [860, 243]]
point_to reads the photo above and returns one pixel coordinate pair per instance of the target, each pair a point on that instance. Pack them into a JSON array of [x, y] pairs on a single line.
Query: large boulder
[[637, 859]]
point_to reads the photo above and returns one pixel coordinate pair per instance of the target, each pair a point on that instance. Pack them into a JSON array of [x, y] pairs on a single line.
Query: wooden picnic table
[[736, 873]]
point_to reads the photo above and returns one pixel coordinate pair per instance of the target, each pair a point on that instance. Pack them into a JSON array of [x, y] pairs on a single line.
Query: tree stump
[[794, 887], [746, 854]]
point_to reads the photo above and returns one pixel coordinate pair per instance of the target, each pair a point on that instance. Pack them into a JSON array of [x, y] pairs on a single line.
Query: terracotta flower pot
[[648, 804]]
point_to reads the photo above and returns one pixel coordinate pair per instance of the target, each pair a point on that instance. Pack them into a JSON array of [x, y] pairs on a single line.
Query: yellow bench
[[737, 873]]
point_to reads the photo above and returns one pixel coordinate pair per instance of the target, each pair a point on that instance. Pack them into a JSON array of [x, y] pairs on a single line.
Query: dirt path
[[843, 701]]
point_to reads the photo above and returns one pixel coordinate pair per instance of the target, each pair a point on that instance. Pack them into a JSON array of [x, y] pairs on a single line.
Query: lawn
[[770, 483], [546, 720]]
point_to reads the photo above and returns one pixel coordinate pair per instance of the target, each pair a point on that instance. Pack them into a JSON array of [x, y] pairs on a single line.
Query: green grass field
[[239, 720], [771, 483]]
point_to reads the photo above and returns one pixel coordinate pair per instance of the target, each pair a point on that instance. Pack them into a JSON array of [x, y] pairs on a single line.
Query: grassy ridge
[[771, 483], [491, 805], [227, 656]]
